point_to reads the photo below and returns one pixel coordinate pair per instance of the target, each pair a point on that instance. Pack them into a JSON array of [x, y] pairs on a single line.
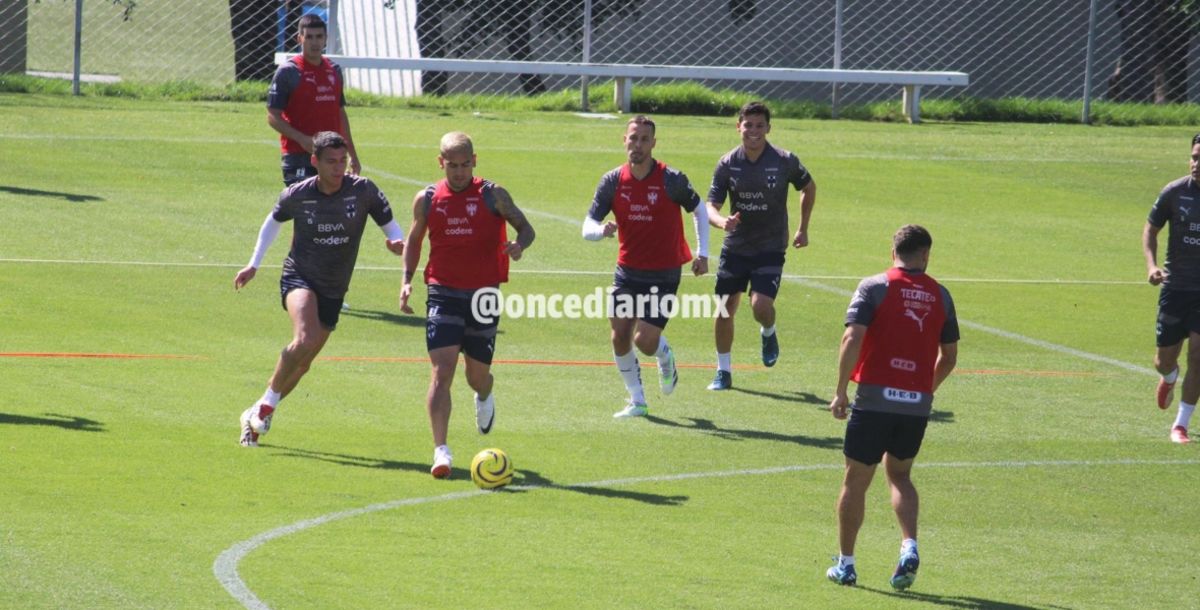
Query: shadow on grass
[[525, 480], [941, 417], [804, 397], [384, 316], [737, 434], [75, 197], [53, 419], [955, 601]]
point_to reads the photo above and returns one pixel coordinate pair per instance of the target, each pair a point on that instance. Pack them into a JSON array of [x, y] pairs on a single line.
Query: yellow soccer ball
[[491, 469]]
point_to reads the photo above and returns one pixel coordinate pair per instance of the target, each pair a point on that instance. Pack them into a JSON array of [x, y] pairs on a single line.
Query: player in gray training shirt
[[329, 212], [755, 176], [1179, 299]]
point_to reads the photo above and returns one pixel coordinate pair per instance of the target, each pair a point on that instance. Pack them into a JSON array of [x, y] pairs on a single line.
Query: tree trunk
[[13, 42], [1153, 61], [254, 24]]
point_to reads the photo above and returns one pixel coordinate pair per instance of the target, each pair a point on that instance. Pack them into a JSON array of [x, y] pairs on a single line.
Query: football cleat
[[485, 413], [633, 409], [1179, 435], [723, 381], [441, 462], [906, 571], [249, 437], [668, 375], [1165, 393], [770, 349], [842, 574]]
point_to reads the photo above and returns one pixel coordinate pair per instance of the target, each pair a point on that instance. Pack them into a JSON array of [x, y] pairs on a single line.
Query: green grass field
[[1047, 479]]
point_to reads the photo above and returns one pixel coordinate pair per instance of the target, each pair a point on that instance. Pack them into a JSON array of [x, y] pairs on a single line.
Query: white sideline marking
[[854, 278], [799, 279], [1054, 347], [225, 566]]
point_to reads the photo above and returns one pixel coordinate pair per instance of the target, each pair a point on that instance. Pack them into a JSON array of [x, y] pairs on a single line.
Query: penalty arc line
[[225, 567]]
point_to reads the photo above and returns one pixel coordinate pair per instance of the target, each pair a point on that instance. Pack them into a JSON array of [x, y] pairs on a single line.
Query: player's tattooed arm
[[516, 219]]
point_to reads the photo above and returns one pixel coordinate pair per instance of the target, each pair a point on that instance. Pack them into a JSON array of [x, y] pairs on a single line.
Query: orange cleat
[[1165, 394], [1179, 435]]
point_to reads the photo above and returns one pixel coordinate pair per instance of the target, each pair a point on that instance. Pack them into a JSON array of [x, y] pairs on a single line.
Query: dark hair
[[312, 21], [327, 139], [1196, 139], [640, 120], [911, 239], [754, 108]]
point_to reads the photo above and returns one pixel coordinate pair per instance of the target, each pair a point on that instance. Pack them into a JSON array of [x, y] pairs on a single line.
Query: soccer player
[[1179, 299], [330, 211], [755, 176], [306, 97], [464, 217], [900, 344], [647, 198]]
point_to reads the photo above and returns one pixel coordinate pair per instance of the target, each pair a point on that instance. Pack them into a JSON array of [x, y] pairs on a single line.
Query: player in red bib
[[307, 97], [900, 344], [469, 250], [648, 199]]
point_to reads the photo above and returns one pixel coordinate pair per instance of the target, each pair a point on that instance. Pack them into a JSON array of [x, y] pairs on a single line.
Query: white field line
[[854, 278], [225, 567], [797, 279], [1054, 347], [936, 158]]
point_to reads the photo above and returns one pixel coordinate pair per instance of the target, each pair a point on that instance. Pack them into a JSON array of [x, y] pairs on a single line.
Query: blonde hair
[[457, 141]]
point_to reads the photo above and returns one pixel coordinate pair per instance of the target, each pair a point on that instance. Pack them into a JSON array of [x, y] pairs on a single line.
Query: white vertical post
[[1087, 65], [623, 93], [587, 53], [75, 75], [334, 46], [912, 103], [837, 52]]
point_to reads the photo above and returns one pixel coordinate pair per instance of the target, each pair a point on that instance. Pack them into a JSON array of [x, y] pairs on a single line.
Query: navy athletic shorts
[[450, 321], [761, 272], [1178, 315], [635, 288], [328, 310], [297, 167], [870, 434]]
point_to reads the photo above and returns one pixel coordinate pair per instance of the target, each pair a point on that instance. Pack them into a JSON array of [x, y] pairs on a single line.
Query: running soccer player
[[307, 96], [1179, 299], [755, 176], [330, 212], [900, 344], [469, 250], [647, 198]]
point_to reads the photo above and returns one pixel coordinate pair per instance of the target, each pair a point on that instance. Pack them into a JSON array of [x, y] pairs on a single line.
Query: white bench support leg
[[912, 103], [623, 95]]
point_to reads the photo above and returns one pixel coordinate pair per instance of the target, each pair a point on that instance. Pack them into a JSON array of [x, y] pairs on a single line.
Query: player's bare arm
[[946, 361], [808, 198], [852, 341], [275, 120], [355, 163], [412, 252], [1154, 274], [725, 223], [516, 219]]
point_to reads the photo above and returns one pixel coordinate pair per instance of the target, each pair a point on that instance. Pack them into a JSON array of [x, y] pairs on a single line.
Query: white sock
[[663, 350], [270, 397], [725, 362], [1172, 376], [907, 545], [631, 374], [1185, 414], [846, 560], [767, 332]]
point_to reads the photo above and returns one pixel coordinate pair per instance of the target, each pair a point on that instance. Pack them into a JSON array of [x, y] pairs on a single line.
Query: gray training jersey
[[759, 190], [1179, 205], [328, 229]]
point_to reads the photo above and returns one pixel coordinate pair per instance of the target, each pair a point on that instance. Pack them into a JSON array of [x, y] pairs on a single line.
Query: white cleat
[[633, 409], [485, 413], [441, 462], [668, 376]]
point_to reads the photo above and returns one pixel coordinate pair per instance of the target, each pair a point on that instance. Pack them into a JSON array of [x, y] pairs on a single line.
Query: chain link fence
[[1140, 50]]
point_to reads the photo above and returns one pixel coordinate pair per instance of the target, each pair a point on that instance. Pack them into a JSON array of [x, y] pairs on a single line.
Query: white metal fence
[[1142, 50]]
